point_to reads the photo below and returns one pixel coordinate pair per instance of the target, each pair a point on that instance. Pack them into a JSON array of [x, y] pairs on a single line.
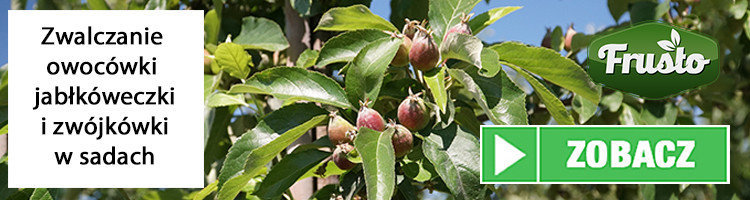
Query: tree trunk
[[298, 35]]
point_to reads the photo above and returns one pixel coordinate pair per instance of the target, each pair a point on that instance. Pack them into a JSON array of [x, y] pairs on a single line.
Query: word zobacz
[[596, 154]]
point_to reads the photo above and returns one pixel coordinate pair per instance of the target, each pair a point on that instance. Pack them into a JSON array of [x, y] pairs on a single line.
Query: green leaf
[[325, 193], [5, 191], [261, 33], [443, 120], [485, 19], [662, 9], [220, 99], [356, 17], [233, 59], [612, 101], [490, 63], [500, 99], [465, 117], [307, 8], [211, 25], [259, 157], [723, 192], [411, 9], [417, 167], [647, 190], [417, 170], [554, 105], [292, 84], [41, 194], [287, 171], [557, 39], [666, 191], [163, 194], [378, 162], [4, 87], [323, 170], [97, 5], [216, 137], [352, 182], [243, 123], [551, 66], [250, 186], [288, 121], [202, 194], [17, 5], [456, 152], [659, 113], [738, 9], [4, 114], [344, 47], [46, 5], [156, 5], [447, 13], [218, 6], [4, 130], [585, 108], [463, 47], [307, 58], [22, 194], [399, 89], [617, 8], [236, 157], [641, 11], [630, 116], [209, 82], [406, 190], [580, 41], [365, 74], [435, 80]]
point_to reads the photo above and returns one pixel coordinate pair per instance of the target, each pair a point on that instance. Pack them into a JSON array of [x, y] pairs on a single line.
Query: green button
[[510, 153], [605, 154]]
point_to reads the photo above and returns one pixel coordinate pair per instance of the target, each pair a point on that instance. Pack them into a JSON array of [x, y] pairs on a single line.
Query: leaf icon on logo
[[666, 45], [675, 38], [670, 45]]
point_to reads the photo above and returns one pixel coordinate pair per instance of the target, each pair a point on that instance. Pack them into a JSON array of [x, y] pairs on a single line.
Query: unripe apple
[[547, 40], [339, 130], [369, 118], [410, 28], [206, 61], [402, 55], [413, 113], [402, 139], [569, 37], [424, 53], [339, 156], [461, 27]]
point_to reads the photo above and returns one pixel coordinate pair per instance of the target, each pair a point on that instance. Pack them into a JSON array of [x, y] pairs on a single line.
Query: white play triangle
[[505, 155]]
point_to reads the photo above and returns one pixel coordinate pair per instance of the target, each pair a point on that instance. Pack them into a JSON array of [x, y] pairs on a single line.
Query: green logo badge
[[653, 60]]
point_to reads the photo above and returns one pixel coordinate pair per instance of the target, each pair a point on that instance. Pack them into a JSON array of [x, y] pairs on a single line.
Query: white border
[[538, 181]]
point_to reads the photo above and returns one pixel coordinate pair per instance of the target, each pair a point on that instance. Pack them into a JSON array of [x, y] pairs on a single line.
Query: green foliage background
[[264, 90]]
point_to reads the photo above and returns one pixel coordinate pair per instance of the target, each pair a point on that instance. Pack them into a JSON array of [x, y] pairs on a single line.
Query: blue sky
[[525, 25], [4, 32]]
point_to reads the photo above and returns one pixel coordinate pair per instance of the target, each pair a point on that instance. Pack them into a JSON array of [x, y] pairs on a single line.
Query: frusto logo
[[653, 60]]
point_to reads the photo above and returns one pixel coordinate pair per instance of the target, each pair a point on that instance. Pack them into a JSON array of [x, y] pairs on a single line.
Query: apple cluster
[[413, 115]]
